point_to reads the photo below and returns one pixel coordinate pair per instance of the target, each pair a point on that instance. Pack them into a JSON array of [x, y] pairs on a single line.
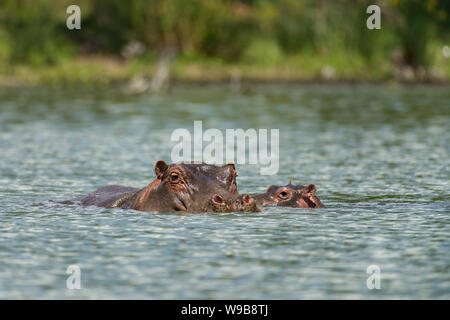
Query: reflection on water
[[379, 157]]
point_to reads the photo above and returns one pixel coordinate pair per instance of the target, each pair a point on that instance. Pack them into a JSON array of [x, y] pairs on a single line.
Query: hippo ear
[[230, 168], [311, 189], [228, 176], [230, 164], [160, 168]]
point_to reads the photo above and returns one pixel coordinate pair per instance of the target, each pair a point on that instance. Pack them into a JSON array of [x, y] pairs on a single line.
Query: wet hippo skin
[[295, 196], [192, 187]]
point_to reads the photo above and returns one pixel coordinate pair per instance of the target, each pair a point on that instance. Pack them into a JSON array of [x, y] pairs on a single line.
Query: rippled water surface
[[379, 157]]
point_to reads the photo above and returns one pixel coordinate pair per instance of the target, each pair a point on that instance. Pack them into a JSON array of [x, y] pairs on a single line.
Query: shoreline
[[108, 71], [246, 83]]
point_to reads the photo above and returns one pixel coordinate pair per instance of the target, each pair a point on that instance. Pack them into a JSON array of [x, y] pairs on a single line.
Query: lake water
[[379, 156]]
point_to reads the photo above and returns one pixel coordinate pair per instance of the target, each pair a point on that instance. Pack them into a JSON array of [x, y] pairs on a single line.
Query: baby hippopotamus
[[290, 196], [190, 187]]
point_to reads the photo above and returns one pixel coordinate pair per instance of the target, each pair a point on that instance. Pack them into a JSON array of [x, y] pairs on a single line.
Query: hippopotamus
[[190, 187], [295, 196]]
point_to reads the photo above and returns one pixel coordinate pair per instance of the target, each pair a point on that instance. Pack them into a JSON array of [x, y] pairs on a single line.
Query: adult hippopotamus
[[192, 187], [295, 196]]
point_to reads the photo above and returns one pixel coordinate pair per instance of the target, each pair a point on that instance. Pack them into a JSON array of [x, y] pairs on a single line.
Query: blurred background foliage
[[264, 38]]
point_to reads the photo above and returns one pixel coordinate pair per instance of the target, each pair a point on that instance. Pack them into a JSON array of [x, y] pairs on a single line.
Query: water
[[378, 155]]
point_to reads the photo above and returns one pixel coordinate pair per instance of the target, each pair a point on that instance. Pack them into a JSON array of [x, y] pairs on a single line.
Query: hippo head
[[194, 187], [225, 175], [290, 196], [243, 202]]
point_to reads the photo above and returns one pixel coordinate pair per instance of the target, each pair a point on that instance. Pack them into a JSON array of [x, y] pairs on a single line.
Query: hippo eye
[[283, 195], [174, 177]]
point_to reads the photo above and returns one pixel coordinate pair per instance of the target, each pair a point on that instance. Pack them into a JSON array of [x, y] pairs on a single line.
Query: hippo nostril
[[180, 205], [246, 198], [217, 199]]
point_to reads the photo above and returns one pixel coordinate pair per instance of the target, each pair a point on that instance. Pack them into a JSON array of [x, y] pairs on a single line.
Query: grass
[[307, 66]]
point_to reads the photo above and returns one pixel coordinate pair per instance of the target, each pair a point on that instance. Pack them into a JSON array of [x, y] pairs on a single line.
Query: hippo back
[[107, 196]]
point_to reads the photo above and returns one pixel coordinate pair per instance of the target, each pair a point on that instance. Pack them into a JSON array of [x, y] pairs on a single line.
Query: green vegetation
[[216, 39]]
